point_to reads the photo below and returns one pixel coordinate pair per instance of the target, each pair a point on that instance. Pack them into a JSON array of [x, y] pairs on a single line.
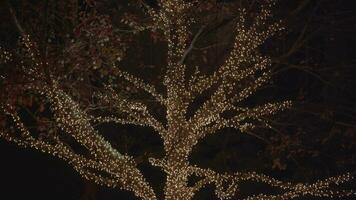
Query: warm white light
[[106, 166]]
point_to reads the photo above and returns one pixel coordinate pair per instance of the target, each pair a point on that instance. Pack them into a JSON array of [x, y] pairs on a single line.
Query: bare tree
[[243, 72]]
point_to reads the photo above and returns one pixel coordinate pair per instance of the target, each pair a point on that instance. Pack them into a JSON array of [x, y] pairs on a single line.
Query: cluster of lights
[[30, 51], [103, 165], [235, 81], [5, 56], [227, 185]]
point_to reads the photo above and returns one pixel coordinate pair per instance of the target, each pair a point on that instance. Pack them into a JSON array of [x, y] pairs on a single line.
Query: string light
[[240, 76], [5, 56]]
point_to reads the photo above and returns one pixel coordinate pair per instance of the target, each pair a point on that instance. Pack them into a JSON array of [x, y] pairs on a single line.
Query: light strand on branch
[[227, 184]]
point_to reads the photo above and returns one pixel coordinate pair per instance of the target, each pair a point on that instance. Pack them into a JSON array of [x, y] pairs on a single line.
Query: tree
[[243, 72]]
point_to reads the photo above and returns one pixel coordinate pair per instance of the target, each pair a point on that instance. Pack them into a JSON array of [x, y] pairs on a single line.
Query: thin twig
[[14, 18], [191, 46]]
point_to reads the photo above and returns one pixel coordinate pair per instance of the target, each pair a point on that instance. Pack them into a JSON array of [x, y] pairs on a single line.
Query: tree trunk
[[176, 187]]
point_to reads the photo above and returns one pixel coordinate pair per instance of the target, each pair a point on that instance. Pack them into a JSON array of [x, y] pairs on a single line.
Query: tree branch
[[14, 18], [140, 84], [191, 46], [291, 190]]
